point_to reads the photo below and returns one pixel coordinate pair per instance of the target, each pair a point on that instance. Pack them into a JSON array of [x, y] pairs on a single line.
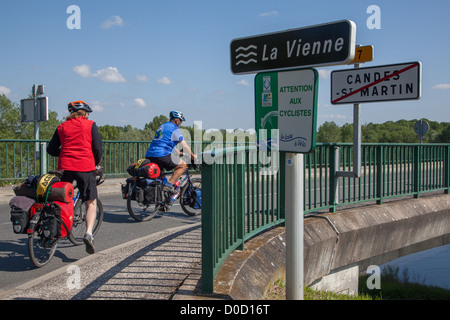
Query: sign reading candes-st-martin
[[325, 44], [287, 101], [393, 82]]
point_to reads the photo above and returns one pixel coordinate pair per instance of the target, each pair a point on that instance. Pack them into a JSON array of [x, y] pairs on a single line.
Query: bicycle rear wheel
[[141, 212], [190, 205], [79, 222], [40, 250]]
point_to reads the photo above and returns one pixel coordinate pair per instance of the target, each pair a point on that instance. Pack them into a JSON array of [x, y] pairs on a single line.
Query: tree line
[[401, 131]]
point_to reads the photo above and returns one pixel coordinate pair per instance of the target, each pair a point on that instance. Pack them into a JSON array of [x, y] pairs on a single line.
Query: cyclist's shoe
[[89, 242], [170, 189], [167, 205], [167, 186]]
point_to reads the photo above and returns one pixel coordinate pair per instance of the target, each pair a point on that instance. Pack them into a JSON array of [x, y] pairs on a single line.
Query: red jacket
[[79, 141]]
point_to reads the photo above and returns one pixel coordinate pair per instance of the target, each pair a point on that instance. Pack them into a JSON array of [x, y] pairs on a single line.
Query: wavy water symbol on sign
[[245, 55]]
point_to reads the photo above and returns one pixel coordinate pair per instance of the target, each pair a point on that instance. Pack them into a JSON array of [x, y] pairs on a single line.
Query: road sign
[[287, 101], [326, 44], [421, 127], [376, 84], [363, 54], [27, 109]]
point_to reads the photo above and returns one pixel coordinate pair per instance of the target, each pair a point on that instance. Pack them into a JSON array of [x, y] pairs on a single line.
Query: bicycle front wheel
[[141, 212], [40, 249], [190, 204], [79, 222]]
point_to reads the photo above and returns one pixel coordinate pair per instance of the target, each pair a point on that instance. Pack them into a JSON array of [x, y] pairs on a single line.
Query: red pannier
[[57, 219], [61, 191]]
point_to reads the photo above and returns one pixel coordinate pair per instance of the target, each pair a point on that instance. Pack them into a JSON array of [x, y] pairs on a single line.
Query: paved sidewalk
[[152, 267], [161, 266]]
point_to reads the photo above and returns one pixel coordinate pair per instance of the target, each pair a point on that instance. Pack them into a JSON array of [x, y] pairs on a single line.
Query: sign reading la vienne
[[326, 44], [376, 84], [287, 101]]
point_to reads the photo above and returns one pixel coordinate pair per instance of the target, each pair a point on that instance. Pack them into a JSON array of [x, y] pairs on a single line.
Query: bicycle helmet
[[78, 105], [176, 114]]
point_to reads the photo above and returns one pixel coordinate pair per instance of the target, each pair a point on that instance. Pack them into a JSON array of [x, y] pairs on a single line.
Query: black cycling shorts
[[166, 162], [86, 182]]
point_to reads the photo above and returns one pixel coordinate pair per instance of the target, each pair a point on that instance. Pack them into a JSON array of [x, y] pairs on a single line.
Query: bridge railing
[[243, 198]]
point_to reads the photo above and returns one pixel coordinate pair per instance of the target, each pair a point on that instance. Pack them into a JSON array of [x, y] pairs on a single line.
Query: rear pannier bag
[[61, 191], [20, 213], [152, 193], [57, 219]]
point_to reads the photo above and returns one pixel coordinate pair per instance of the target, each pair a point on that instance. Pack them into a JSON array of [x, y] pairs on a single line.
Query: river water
[[430, 267]]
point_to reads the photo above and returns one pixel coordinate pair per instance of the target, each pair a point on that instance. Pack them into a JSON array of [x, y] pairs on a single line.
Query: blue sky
[[133, 60]]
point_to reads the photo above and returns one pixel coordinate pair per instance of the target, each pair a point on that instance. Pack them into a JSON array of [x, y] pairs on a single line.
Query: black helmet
[[176, 114], [78, 105]]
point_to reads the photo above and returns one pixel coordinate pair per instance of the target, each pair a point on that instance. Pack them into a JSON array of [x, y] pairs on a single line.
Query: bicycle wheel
[[40, 249], [79, 222], [188, 197], [139, 211]]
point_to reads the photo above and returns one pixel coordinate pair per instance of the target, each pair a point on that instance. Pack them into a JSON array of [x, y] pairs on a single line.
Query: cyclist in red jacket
[[78, 145]]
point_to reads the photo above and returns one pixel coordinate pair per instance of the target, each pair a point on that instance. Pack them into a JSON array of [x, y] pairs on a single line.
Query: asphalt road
[[117, 228]]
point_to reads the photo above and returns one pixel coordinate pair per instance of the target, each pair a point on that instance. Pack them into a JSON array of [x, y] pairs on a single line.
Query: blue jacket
[[166, 138]]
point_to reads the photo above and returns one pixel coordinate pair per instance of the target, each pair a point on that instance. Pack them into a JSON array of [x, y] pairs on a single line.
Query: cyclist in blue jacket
[[162, 149]]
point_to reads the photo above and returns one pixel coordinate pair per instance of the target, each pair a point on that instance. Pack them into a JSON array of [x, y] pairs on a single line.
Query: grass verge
[[395, 285]]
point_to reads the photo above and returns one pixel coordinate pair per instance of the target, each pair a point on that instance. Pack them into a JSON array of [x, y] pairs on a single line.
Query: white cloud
[[96, 106], [113, 21], [4, 90], [142, 78], [243, 82], [140, 103], [269, 13], [84, 70], [110, 74], [164, 80], [442, 86], [333, 116]]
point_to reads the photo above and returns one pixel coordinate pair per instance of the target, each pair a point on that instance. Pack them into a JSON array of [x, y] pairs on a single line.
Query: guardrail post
[[447, 170], [43, 157], [334, 179], [380, 174], [240, 198], [207, 229], [416, 179]]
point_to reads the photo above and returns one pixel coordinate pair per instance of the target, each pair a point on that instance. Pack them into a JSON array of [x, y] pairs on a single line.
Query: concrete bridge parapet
[[339, 245]]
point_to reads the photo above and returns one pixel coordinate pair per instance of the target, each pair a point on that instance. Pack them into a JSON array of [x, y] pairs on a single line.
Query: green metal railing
[[21, 158], [239, 201]]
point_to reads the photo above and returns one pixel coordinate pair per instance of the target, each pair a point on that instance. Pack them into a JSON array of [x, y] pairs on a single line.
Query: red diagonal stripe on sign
[[376, 82]]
